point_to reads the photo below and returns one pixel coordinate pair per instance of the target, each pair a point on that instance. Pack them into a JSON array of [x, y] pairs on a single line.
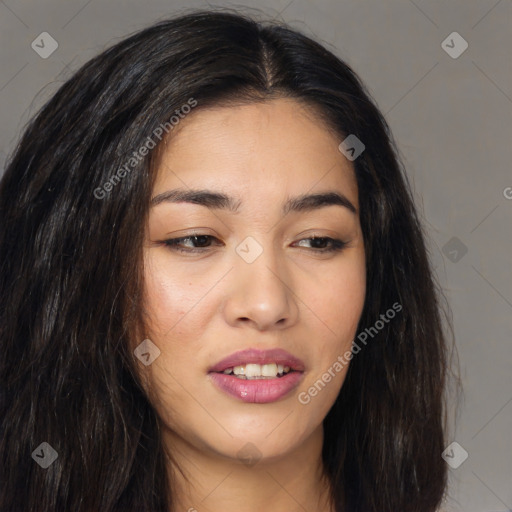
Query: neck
[[206, 481]]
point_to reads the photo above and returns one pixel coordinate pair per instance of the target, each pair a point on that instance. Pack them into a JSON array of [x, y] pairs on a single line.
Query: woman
[[215, 292]]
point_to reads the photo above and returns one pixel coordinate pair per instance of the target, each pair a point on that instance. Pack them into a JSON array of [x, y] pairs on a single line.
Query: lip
[[258, 390], [255, 356]]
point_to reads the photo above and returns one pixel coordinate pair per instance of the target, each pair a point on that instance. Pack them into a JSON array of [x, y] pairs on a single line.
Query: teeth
[[268, 370], [256, 371]]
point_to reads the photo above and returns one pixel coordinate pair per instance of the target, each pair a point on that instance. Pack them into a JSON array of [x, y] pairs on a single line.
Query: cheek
[[177, 314], [339, 303], [348, 303], [169, 295], [169, 299]]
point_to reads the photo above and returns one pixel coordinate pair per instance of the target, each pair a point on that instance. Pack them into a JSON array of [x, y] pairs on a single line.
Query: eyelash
[[173, 244]]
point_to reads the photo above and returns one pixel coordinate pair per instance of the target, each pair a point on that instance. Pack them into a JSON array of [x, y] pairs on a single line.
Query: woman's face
[[258, 295]]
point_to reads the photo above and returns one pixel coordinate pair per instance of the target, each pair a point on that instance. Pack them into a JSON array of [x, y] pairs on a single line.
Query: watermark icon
[[149, 144], [343, 360], [249, 249], [351, 147], [454, 45], [45, 455], [507, 193], [454, 455], [454, 249], [249, 454], [44, 45], [147, 352]]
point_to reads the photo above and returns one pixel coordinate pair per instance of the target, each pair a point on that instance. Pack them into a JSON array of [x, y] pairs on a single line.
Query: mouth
[[268, 363], [258, 376], [258, 371]]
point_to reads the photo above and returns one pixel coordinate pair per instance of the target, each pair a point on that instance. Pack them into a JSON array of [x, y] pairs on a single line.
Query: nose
[[261, 293]]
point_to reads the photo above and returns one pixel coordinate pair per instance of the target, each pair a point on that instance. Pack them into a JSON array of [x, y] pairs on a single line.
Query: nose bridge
[[260, 260], [262, 292]]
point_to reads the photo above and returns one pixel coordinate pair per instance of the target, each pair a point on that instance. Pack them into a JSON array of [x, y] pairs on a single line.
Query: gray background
[[451, 118]]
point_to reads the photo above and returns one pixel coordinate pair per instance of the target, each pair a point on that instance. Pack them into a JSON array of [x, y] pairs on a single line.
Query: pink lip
[[258, 390], [255, 356]]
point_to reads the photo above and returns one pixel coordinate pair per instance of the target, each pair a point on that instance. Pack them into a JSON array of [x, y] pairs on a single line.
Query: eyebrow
[[221, 201]]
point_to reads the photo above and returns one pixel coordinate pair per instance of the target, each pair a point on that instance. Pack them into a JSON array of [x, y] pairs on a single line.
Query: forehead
[[264, 148]]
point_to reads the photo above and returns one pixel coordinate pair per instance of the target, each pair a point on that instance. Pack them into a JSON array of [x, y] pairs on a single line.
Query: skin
[[202, 307]]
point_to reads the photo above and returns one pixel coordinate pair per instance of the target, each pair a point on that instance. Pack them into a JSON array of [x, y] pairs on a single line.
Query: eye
[[333, 244], [201, 243], [202, 240]]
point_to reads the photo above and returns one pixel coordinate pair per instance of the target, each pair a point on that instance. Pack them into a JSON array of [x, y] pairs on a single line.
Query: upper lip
[[255, 356]]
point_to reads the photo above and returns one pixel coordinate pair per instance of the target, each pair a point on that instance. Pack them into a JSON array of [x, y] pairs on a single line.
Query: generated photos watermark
[[149, 144], [343, 360]]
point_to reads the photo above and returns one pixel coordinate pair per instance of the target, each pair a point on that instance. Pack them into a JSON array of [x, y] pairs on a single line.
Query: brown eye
[[319, 244], [199, 242]]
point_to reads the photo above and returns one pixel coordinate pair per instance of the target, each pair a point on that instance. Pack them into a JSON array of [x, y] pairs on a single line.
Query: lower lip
[[257, 391]]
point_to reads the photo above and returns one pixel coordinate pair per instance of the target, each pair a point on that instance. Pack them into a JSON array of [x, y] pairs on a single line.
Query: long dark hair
[[70, 280]]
